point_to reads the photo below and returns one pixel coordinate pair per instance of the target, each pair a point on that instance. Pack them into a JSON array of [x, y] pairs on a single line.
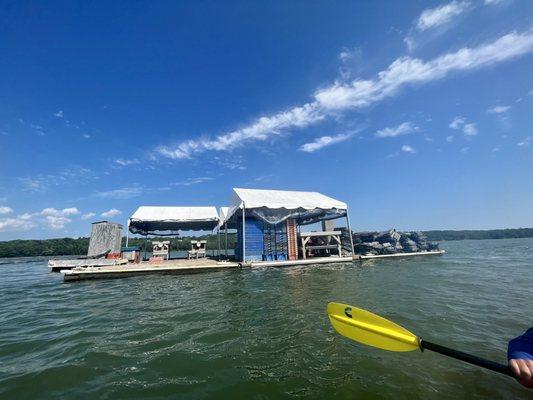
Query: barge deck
[[207, 265]]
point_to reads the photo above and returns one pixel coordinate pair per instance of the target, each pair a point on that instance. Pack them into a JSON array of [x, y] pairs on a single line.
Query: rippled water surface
[[263, 333]]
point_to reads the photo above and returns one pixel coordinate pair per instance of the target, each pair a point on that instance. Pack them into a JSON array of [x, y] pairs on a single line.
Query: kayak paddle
[[373, 330]]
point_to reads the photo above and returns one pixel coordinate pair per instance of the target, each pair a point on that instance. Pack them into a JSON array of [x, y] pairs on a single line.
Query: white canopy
[[290, 200], [222, 212], [275, 206], [150, 219]]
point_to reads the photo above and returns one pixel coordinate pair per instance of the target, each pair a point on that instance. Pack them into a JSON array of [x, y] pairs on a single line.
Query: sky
[[417, 114]]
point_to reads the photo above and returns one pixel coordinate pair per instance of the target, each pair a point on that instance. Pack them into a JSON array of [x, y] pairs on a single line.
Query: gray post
[[226, 236], [350, 231], [127, 233], [243, 234], [218, 237]]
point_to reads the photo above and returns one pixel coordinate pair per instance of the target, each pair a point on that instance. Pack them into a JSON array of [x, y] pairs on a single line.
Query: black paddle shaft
[[469, 358]]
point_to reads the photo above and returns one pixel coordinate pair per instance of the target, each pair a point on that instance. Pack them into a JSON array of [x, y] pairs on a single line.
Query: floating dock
[[183, 266], [60, 265]]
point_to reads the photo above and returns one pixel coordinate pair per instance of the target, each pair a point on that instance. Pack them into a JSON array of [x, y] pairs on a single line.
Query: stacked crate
[[253, 243], [275, 242], [292, 239], [281, 241], [269, 243]]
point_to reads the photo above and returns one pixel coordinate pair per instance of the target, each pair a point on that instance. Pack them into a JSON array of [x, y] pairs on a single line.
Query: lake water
[[264, 333]]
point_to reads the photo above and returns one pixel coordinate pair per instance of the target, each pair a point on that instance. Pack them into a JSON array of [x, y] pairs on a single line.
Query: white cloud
[[111, 213], [492, 2], [125, 162], [459, 123], [5, 210], [15, 224], [441, 15], [465, 150], [86, 136], [193, 181], [262, 129], [57, 219], [470, 129], [524, 143], [59, 213], [407, 70], [348, 59], [408, 149], [449, 139], [324, 141], [360, 93], [122, 193], [498, 109], [59, 114], [55, 222], [495, 149], [88, 215], [402, 129], [41, 183]]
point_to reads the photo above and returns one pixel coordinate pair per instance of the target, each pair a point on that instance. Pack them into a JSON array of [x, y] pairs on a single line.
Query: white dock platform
[[209, 265]]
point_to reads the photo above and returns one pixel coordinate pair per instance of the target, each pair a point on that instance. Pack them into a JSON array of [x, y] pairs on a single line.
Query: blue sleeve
[[521, 347]]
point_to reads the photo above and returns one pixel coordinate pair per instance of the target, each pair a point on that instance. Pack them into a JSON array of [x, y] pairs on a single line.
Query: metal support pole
[[243, 234], [127, 233], [145, 244], [350, 231], [226, 235], [218, 238]]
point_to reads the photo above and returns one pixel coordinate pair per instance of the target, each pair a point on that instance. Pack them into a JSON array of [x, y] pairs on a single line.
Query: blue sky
[[417, 114]]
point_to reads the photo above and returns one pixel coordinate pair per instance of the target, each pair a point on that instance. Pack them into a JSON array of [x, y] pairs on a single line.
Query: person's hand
[[523, 370]]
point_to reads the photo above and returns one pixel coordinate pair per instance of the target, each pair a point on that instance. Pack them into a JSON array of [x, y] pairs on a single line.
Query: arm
[[520, 356]]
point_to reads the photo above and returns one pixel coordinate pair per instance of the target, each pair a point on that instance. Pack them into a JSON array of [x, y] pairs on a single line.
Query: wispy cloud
[[86, 136], [59, 114], [349, 58], [324, 141], [525, 142], [449, 138], [412, 71], [262, 129], [465, 150], [122, 193], [88, 215], [360, 94], [433, 17], [408, 149], [400, 130], [459, 123], [5, 210], [123, 162], [41, 183], [111, 213], [498, 109], [193, 181], [470, 129]]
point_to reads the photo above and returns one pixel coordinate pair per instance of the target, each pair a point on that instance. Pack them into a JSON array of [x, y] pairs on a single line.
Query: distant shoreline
[[74, 247]]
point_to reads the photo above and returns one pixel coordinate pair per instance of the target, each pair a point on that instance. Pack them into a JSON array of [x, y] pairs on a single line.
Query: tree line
[[79, 246]]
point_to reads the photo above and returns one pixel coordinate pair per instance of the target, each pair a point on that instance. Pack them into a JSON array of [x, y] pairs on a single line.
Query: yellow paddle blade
[[370, 329]]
